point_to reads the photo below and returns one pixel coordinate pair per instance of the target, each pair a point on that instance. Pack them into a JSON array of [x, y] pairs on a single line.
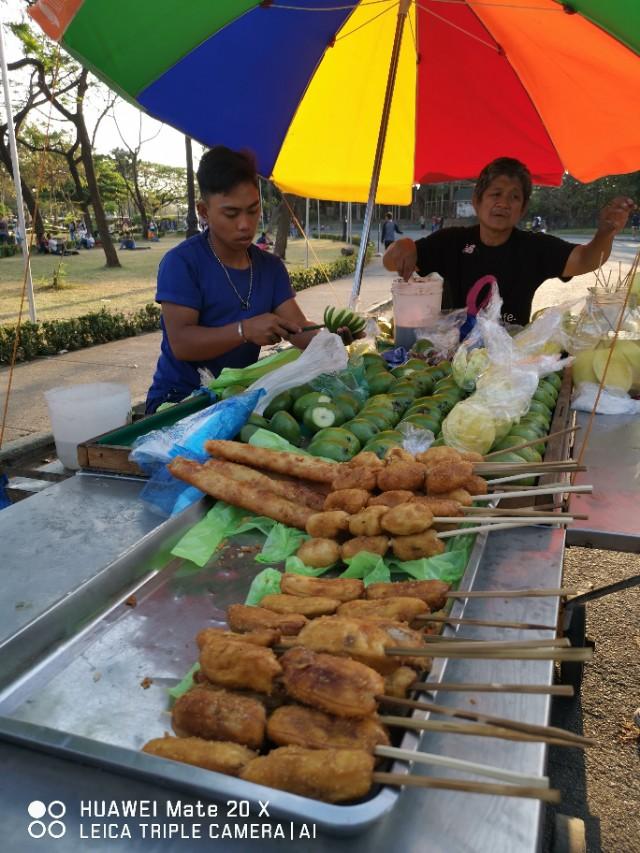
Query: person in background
[[264, 242], [389, 230], [520, 260], [635, 224], [422, 223], [72, 233], [4, 230], [222, 297]]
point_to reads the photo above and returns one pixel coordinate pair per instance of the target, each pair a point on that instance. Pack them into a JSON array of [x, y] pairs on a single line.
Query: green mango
[[381, 383], [363, 429], [322, 415], [331, 450], [423, 422], [232, 391], [258, 420], [555, 379], [310, 399], [287, 426], [280, 403], [246, 432], [300, 391], [422, 346], [545, 397], [340, 435], [541, 408]]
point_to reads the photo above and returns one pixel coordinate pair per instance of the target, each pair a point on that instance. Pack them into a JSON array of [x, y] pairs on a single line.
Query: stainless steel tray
[[87, 701]]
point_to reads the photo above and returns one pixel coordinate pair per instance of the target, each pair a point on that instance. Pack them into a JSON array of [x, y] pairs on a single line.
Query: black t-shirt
[[520, 265]]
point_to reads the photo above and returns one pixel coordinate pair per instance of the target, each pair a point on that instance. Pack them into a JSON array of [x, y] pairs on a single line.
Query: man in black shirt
[[520, 260]]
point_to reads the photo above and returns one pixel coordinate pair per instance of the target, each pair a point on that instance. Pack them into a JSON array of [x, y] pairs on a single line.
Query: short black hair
[[508, 166], [221, 169], [389, 215]]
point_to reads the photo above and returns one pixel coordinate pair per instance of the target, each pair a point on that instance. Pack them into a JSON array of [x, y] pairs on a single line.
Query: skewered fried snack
[[292, 464], [432, 592], [472, 456], [398, 454], [344, 589], [408, 476], [319, 553], [460, 496], [367, 521], [308, 605], [476, 485], [446, 476], [209, 480], [220, 715], [328, 525], [288, 489], [367, 459], [438, 505], [261, 637], [398, 609], [415, 547], [436, 455], [295, 725], [338, 686], [348, 500], [398, 683], [243, 619], [394, 497], [373, 544], [221, 756], [406, 519], [354, 477], [234, 663], [362, 640], [332, 775]]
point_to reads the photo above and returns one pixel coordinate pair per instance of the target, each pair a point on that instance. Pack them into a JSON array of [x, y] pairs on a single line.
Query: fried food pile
[[367, 504], [288, 697]]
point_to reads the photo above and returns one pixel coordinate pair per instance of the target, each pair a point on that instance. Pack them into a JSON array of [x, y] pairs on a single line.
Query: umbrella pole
[[377, 163]]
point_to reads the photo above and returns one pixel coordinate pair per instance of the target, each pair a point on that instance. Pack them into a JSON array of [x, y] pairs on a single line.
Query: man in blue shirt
[[222, 297]]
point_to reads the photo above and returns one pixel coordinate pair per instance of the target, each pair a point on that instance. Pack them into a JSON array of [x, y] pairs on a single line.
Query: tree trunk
[[27, 195], [80, 195], [192, 216], [102, 225], [283, 224]]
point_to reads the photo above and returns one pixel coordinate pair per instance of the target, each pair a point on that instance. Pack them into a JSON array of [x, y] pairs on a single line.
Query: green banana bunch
[[339, 318]]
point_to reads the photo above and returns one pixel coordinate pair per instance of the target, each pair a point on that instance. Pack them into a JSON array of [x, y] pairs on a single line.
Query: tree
[[192, 218]]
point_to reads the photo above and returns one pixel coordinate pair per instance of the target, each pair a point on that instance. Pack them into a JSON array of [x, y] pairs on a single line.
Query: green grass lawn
[[90, 286]]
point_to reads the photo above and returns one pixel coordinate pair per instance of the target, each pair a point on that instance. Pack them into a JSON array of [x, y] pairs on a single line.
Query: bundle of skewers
[[404, 504], [293, 695]]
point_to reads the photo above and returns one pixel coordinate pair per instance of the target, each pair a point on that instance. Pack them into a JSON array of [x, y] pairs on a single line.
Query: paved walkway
[[133, 360]]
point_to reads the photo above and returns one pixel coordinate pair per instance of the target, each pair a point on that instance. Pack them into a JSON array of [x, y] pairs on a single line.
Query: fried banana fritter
[[220, 715], [439, 506], [432, 592], [208, 479], [221, 756], [344, 589], [393, 497], [460, 496], [415, 547], [407, 476], [373, 544], [328, 525], [260, 637], [308, 605], [234, 663], [295, 725], [398, 609], [289, 489], [398, 454], [362, 640], [368, 459], [291, 464], [446, 476], [476, 485], [332, 775], [319, 553], [337, 685], [354, 477], [406, 519], [348, 500], [367, 521], [472, 456], [436, 455], [398, 683], [242, 618]]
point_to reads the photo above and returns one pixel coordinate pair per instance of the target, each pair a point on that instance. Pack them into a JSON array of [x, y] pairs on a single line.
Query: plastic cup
[[416, 304], [80, 412]]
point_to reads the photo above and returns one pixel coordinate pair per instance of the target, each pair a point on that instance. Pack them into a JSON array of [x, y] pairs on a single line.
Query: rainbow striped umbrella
[[302, 83]]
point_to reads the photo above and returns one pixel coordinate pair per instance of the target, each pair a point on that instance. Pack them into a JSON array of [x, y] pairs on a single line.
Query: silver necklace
[[244, 302]]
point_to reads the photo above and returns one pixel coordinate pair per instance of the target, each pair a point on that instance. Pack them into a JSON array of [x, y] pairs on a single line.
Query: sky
[[165, 145]]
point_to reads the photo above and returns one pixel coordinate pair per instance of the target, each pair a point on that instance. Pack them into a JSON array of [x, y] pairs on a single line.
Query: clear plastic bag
[[414, 439], [443, 335], [351, 381], [613, 401], [325, 354]]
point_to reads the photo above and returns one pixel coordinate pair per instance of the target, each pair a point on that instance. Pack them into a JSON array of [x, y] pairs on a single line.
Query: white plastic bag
[[325, 354], [613, 401]]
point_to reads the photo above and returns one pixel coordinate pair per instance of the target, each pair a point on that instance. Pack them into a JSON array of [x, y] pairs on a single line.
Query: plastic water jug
[[416, 304], [79, 412]]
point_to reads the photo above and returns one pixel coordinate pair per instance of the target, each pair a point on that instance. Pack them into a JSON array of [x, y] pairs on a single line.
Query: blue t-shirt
[[189, 275]]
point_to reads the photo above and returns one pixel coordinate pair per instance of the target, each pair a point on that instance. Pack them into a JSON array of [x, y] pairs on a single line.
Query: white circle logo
[[38, 828]]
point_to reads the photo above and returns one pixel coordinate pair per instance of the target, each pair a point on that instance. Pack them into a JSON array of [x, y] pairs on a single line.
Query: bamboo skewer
[[519, 476], [511, 593], [478, 717], [460, 764], [521, 511], [493, 687], [547, 795], [486, 623], [542, 518], [482, 528], [527, 493], [576, 654], [479, 729], [463, 643], [533, 442]]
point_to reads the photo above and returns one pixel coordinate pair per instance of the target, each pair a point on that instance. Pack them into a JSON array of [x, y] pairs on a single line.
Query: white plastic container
[[79, 412], [416, 303]]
